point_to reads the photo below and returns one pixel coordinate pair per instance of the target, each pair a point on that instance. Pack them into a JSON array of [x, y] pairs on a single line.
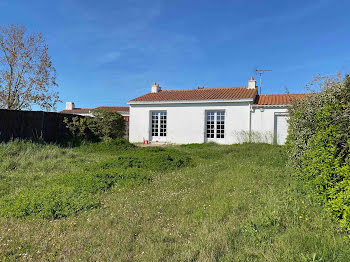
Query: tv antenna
[[260, 72]]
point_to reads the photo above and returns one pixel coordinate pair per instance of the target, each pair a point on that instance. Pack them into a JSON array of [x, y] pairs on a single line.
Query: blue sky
[[107, 52]]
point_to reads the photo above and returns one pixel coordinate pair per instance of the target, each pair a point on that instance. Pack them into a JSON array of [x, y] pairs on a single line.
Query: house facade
[[223, 115]]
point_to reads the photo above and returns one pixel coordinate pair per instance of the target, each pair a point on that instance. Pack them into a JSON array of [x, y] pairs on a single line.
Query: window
[[159, 120], [215, 124]]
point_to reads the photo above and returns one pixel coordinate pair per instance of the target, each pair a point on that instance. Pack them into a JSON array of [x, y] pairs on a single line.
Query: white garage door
[[281, 129]]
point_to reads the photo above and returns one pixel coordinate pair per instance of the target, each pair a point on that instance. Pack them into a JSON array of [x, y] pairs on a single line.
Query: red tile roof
[[114, 108], [77, 111], [280, 99], [220, 93], [87, 110]]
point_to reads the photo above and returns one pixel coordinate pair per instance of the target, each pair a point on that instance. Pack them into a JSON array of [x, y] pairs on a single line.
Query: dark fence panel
[[34, 125]]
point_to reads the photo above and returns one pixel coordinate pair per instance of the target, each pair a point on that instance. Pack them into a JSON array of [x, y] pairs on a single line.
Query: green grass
[[180, 203]]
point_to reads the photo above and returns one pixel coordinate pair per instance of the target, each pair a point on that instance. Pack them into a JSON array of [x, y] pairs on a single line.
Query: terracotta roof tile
[[77, 111], [114, 108], [280, 99], [220, 93]]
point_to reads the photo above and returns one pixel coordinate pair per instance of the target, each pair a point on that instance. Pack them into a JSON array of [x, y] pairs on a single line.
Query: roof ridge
[[201, 89], [281, 94], [79, 108], [109, 106]]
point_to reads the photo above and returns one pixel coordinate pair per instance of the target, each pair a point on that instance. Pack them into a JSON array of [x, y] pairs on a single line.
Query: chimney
[[70, 105], [156, 88], [251, 83]]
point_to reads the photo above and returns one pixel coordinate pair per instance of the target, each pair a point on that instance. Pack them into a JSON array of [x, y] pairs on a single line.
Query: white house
[[223, 115]]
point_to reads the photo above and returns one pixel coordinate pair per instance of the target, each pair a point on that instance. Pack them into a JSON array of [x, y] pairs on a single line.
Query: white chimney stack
[[156, 88], [70, 106], [251, 83]]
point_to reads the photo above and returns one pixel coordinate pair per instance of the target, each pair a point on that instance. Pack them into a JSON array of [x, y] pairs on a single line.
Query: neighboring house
[[71, 109], [223, 115], [123, 110]]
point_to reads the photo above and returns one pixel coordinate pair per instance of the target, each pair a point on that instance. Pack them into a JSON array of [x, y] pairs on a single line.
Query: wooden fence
[[33, 125]]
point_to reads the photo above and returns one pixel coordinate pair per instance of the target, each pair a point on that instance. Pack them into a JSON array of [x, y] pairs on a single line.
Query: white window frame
[[217, 116], [159, 119]]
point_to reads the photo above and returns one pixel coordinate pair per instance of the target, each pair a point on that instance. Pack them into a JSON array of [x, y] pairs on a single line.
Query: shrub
[[107, 124], [79, 127], [318, 144], [104, 124]]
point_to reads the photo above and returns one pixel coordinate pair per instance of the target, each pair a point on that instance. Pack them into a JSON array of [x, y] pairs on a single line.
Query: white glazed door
[[215, 126], [159, 126]]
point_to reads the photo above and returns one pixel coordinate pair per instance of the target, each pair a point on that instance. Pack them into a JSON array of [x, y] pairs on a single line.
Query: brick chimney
[[156, 88], [251, 83], [70, 105]]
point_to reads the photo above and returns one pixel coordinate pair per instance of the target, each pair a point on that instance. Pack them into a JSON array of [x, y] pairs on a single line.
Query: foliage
[[318, 144], [107, 124], [27, 75], [78, 126], [104, 124]]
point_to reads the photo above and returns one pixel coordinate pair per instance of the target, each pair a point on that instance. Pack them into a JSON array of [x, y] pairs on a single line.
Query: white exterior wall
[[186, 123], [263, 122]]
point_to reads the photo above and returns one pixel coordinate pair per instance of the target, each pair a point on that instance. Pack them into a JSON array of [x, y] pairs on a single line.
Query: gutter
[[281, 105], [250, 121], [190, 101]]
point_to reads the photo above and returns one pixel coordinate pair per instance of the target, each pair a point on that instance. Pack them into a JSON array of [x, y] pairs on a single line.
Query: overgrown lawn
[[178, 203]]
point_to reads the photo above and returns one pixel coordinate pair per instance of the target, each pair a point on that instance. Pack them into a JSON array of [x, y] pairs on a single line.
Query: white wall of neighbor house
[[269, 124], [186, 123]]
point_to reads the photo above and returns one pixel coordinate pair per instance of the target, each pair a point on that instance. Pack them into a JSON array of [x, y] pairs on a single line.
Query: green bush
[[318, 144], [107, 124], [104, 124]]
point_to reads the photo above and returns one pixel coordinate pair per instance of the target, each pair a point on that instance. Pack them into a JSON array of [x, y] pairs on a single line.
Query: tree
[[27, 75]]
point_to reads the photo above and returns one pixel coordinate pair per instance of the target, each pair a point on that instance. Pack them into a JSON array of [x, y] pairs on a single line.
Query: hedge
[[318, 144]]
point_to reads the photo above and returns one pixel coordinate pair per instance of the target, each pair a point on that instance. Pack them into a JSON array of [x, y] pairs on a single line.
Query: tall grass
[[229, 203], [69, 193]]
